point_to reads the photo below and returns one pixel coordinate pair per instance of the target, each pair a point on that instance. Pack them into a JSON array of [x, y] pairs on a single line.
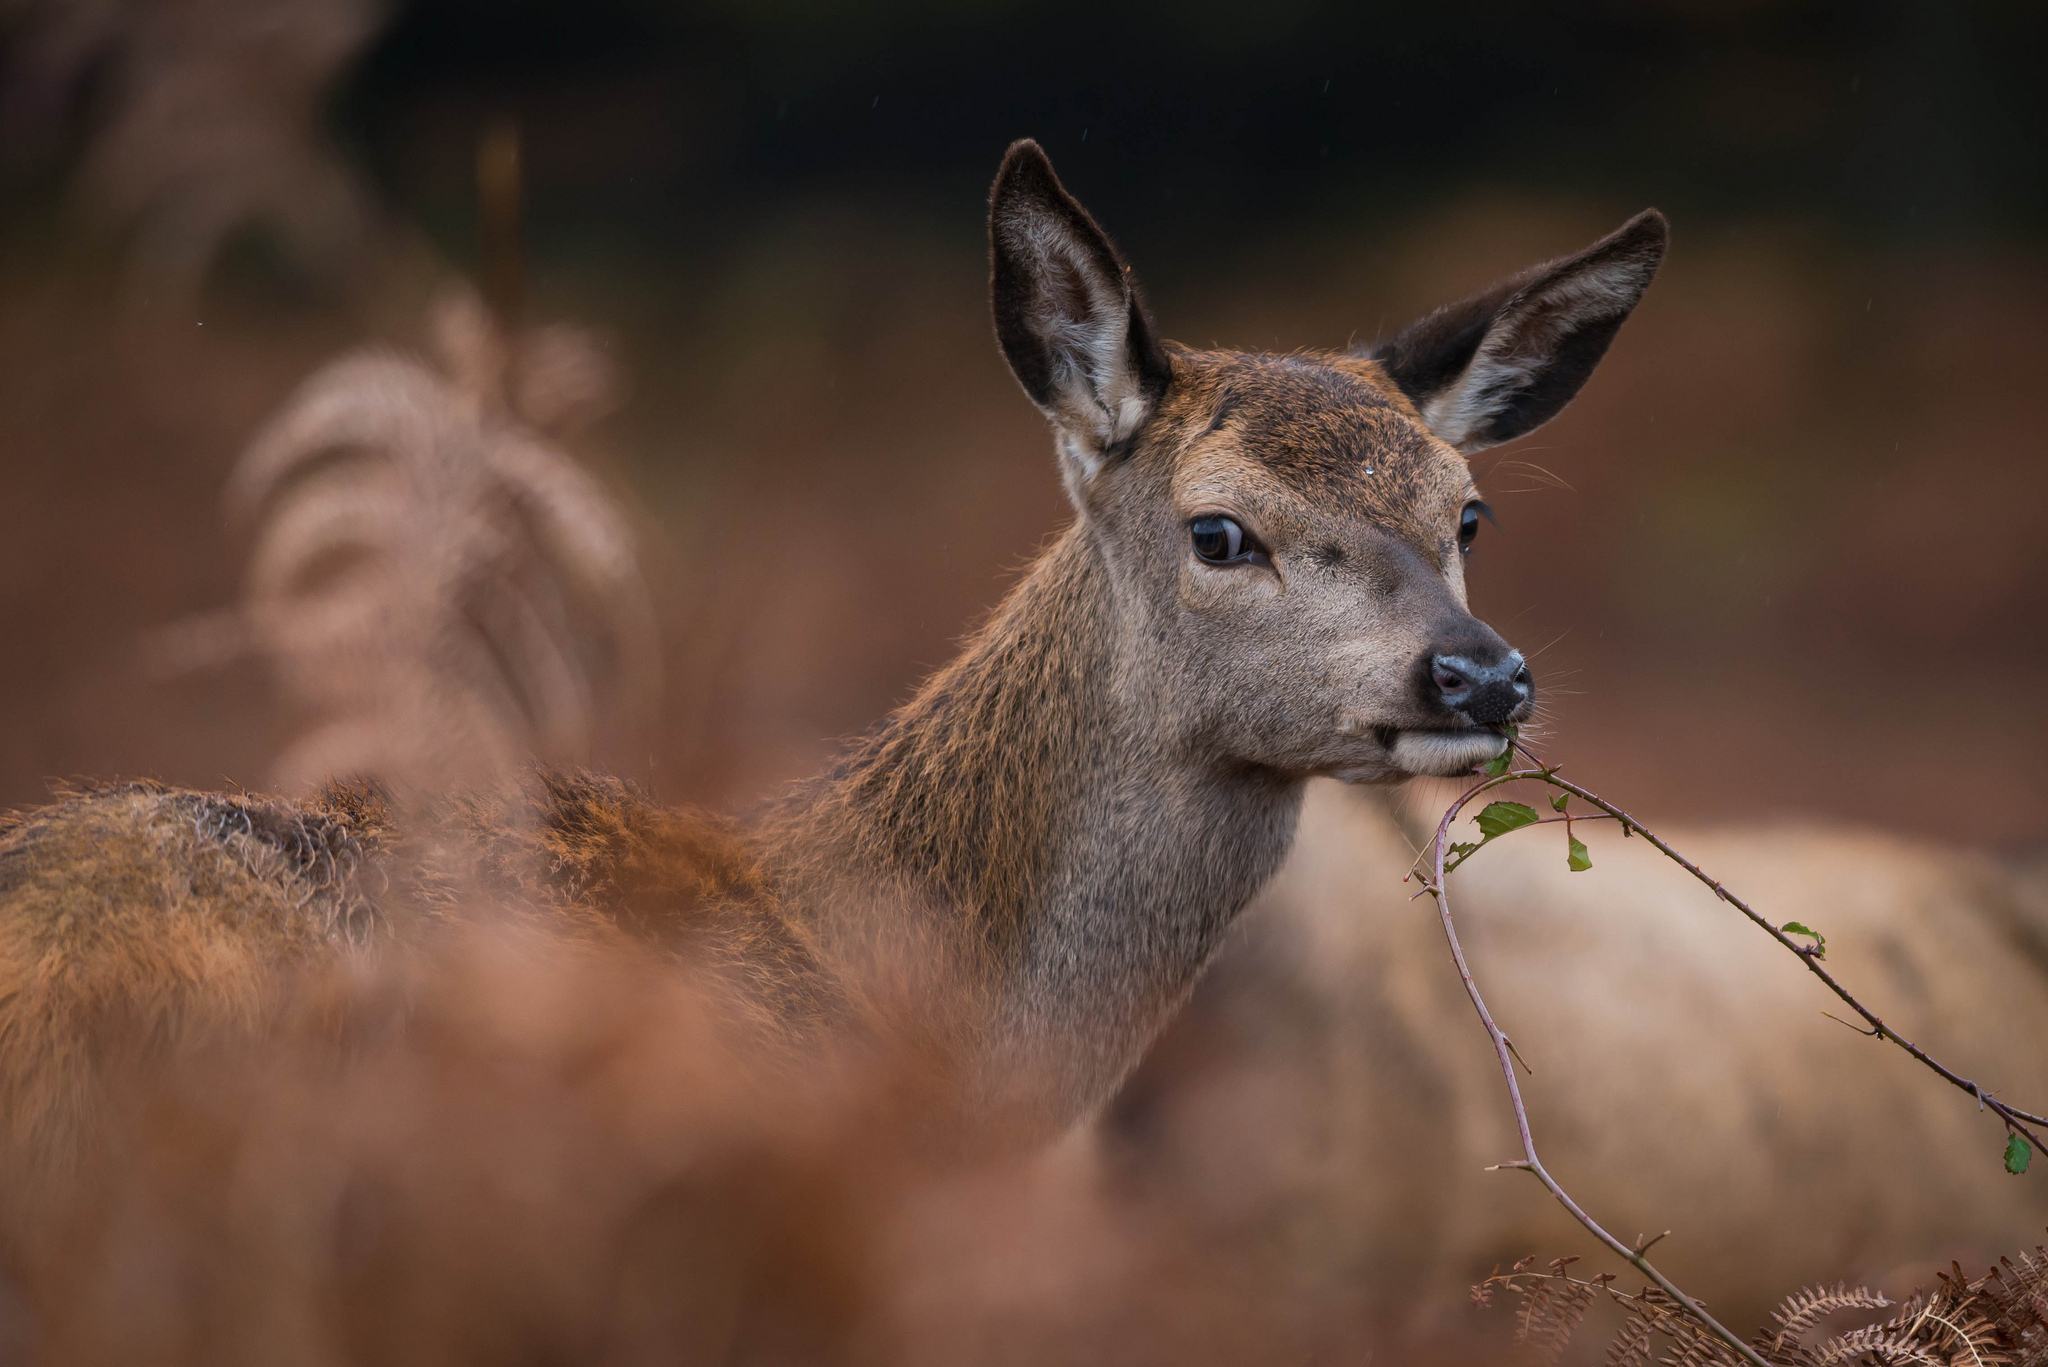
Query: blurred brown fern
[[204, 122], [1997, 1320], [435, 582]]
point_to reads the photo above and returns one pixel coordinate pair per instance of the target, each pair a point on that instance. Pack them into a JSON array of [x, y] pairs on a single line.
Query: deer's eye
[[1220, 541], [1468, 524]]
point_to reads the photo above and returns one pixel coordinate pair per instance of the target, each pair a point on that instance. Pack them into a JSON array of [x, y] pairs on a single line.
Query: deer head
[[1284, 537]]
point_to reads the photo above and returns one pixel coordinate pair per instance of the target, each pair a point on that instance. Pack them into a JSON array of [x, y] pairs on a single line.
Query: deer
[[1263, 583]]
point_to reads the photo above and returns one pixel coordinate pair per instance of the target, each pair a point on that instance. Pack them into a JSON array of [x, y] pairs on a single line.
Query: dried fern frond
[[434, 581], [2016, 1297], [1998, 1320], [1631, 1347], [1692, 1344], [1553, 1307], [1944, 1326], [1800, 1312], [1555, 1303], [207, 121]]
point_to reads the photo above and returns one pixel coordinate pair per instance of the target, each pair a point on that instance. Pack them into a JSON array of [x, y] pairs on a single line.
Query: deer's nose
[[1488, 692]]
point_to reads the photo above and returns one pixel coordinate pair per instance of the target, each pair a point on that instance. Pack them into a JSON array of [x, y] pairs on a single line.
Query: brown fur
[[1685, 1078], [141, 919], [1058, 828]]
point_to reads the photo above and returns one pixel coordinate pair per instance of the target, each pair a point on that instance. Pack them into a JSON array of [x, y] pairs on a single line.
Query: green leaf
[[1498, 818], [1499, 764], [1557, 803], [1576, 858], [2018, 1153], [1820, 947]]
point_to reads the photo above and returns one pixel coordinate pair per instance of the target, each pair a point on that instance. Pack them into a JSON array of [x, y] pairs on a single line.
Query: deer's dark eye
[[1468, 524], [1220, 541]]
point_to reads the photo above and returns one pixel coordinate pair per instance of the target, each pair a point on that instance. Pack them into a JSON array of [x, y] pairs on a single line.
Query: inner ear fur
[[1068, 315], [1505, 361]]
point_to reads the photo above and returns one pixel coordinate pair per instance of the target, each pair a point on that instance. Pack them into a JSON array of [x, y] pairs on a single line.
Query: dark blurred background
[[1782, 555]]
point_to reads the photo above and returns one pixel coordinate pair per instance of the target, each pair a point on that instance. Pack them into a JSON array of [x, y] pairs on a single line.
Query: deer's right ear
[[1068, 315], [1504, 362]]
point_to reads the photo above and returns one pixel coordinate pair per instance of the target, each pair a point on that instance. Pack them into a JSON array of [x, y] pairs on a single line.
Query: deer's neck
[[1080, 858]]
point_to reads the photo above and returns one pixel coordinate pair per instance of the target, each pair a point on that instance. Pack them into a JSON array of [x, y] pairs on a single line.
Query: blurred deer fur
[[1263, 583], [1327, 1103], [435, 583]]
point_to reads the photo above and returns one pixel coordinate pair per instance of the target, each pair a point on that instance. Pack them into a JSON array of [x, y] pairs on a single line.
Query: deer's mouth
[[1439, 753], [1421, 751]]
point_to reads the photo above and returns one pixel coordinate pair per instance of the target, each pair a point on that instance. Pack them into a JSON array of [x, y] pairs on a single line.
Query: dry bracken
[[438, 586], [1997, 1320], [206, 123]]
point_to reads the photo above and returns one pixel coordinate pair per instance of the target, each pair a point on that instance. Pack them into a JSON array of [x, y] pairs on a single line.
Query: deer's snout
[[1490, 684]]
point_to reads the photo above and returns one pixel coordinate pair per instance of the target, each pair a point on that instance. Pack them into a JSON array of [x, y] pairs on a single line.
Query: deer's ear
[[1504, 362], [1068, 315]]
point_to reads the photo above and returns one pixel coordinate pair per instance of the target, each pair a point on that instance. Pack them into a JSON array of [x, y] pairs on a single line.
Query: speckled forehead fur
[[1330, 428]]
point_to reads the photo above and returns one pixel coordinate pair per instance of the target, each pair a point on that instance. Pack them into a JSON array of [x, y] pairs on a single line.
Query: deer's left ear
[[1504, 362], [1068, 316]]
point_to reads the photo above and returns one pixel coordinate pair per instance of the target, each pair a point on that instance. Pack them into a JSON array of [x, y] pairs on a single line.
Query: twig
[[2013, 1116], [1504, 1054], [1518, 1057], [2016, 1120], [1860, 1030]]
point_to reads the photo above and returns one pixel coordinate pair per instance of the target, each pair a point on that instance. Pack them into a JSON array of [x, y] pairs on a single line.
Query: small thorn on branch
[[1518, 1056]]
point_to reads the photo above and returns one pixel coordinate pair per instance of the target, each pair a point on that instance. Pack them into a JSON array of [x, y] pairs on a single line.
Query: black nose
[[1488, 693]]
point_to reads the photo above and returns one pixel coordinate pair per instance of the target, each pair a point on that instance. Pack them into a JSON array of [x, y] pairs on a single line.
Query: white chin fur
[[1445, 754]]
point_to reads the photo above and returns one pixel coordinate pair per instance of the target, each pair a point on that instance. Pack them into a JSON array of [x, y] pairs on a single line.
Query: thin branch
[[2013, 1116], [1507, 1056], [1504, 1054], [1436, 884]]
